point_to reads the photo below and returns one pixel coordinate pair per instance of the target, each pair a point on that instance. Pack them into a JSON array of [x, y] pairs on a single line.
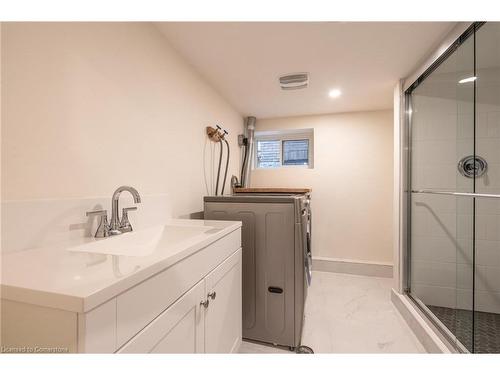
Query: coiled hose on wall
[[227, 165], [243, 165], [218, 169], [216, 136]]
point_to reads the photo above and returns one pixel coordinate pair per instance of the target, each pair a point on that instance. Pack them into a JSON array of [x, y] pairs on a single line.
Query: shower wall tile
[[489, 182], [440, 203], [489, 148], [464, 251], [487, 278], [436, 295], [465, 299], [443, 152], [464, 226], [487, 273], [487, 301], [458, 298], [439, 177], [420, 132], [465, 128], [486, 226], [419, 225], [481, 125], [440, 274], [435, 249], [464, 206], [488, 206], [442, 226], [464, 276], [444, 126], [493, 121], [487, 253], [464, 147]]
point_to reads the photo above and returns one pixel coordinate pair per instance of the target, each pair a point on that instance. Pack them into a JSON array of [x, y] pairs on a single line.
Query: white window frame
[[285, 135]]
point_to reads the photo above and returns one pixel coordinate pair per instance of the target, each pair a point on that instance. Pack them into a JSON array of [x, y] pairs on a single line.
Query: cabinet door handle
[[205, 303], [212, 295], [275, 289]]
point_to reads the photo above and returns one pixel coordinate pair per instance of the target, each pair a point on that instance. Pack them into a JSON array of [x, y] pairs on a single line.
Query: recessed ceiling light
[[468, 79], [335, 93]]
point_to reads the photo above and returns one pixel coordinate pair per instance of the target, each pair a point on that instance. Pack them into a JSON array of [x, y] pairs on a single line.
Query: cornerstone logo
[[32, 349]]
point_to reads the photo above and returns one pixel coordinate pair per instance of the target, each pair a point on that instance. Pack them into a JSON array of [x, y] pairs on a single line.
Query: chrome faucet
[[118, 226]]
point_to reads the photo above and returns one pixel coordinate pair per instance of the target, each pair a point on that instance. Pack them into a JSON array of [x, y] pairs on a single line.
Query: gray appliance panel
[[272, 262], [254, 198]]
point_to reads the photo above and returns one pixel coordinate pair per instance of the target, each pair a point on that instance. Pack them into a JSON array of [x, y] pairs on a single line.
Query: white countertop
[[80, 276]]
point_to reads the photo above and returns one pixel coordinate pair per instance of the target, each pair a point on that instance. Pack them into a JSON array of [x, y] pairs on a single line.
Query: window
[[268, 154], [296, 152], [290, 148]]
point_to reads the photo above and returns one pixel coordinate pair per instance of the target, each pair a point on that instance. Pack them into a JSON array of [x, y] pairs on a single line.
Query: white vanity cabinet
[[206, 319], [189, 303]]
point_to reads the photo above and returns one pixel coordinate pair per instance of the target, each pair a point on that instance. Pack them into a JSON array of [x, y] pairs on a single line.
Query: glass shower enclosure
[[453, 190]]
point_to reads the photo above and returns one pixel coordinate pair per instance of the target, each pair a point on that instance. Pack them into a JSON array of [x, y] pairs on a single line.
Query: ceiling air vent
[[294, 81]]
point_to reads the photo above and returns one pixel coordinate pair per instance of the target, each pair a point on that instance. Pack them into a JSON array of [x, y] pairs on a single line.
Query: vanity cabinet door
[[223, 315], [179, 329]]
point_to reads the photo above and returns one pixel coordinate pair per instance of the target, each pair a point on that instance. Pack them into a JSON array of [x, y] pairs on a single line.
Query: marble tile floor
[[350, 314]]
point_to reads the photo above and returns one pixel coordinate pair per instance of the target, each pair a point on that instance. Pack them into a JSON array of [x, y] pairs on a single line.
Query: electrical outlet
[[241, 140]]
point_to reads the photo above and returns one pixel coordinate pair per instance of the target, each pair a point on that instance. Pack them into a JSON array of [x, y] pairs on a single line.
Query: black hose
[[245, 155], [218, 170], [227, 165]]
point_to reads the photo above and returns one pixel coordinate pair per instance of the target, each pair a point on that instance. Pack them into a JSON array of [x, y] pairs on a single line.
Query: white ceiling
[[244, 60]]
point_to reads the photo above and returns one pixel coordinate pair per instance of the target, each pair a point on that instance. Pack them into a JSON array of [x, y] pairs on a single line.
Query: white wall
[[351, 182], [87, 107]]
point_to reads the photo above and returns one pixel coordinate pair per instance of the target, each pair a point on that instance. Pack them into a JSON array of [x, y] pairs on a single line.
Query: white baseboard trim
[[425, 332], [353, 267]]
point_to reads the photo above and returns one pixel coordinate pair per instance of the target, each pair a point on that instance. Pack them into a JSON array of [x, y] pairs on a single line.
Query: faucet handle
[[125, 225], [103, 228], [97, 213]]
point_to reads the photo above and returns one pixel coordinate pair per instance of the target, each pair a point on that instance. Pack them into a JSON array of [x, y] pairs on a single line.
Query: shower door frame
[[406, 168]]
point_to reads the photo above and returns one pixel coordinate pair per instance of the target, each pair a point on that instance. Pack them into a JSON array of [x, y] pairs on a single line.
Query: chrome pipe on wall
[[248, 151]]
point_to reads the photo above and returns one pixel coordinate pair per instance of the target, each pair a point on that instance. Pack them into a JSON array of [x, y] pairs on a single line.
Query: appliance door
[[307, 226], [269, 266]]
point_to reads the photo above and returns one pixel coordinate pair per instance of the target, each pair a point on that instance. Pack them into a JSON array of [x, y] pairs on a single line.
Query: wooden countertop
[[273, 190]]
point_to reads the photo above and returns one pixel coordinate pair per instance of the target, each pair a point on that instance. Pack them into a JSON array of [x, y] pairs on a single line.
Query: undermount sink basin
[[144, 242]]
